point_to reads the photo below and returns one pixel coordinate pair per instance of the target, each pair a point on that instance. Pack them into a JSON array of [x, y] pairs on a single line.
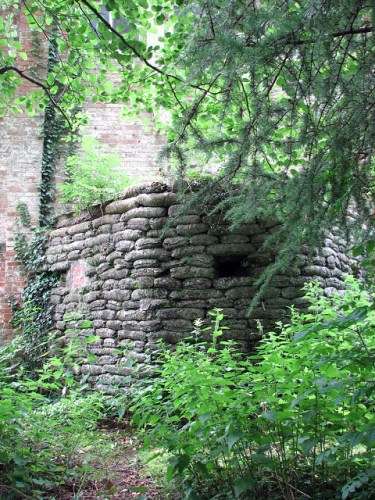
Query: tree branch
[[125, 42], [337, 34], [195, 107], [134, 50], [39, 84]]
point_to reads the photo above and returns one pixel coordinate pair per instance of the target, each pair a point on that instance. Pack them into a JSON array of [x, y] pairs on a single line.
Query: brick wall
[[20, 159], [21, 148], [137, 146], [20, 163]]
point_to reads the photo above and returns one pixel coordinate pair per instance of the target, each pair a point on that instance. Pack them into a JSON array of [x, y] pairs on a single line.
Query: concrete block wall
[[144, 272]]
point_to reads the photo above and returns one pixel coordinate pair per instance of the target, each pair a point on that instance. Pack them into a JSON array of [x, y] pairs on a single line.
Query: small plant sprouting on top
[[94, 176]]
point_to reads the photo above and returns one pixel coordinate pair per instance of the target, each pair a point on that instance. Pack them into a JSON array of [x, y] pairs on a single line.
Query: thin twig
[[299, 491]]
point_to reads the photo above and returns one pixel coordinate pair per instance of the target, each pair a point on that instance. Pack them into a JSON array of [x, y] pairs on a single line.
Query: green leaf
[[370, 437], [262, 460], [233, 438], [243, 484], [271, 415], [281, 82], [353, 437], [92, 338], [19, 460], [205, 417], [138, 489], [307, 444], [300, 335], [55, 362]]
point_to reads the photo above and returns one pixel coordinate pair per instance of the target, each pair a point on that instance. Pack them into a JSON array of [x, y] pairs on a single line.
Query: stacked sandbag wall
[[143, 270]]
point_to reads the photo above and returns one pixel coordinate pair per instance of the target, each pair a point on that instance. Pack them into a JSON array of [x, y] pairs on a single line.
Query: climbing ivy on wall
[[53, 130], [32, 318], [54, 148]]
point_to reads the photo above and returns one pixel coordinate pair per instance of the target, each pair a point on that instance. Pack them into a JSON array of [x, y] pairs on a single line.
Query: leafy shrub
[[94, 176], [45, 423], [295, 419], [39, 442]]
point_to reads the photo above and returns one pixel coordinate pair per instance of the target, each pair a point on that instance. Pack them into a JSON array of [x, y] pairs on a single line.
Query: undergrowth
[[295, 420], [48, 425]]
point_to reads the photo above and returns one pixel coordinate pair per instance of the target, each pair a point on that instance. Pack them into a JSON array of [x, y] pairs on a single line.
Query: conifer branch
[[194, 108], [337, 34]]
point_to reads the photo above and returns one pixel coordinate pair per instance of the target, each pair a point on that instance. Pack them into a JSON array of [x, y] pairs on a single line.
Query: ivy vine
[[32, 319], [54, 149], [24, 214]]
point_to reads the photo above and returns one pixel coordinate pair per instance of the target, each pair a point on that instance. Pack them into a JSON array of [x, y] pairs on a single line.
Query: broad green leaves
[[88, 36], [46, 417]]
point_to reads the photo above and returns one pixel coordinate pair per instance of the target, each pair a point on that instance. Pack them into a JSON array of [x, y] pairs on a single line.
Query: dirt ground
[[127, 478], [127, 483]]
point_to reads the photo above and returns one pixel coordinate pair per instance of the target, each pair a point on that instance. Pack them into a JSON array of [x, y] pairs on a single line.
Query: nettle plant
[[294, 420], [94, 176]]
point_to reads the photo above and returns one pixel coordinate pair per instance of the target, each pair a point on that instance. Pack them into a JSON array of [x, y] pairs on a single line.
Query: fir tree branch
[[337, 34], [195, 107]]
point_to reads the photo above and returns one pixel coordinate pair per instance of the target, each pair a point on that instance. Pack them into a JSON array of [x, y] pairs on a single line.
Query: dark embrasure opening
[[231, 266]]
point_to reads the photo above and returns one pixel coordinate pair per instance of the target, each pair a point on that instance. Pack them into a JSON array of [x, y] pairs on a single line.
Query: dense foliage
[[31, 316], [295, 420], [55, 130], [273, 100], [276, 97]]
